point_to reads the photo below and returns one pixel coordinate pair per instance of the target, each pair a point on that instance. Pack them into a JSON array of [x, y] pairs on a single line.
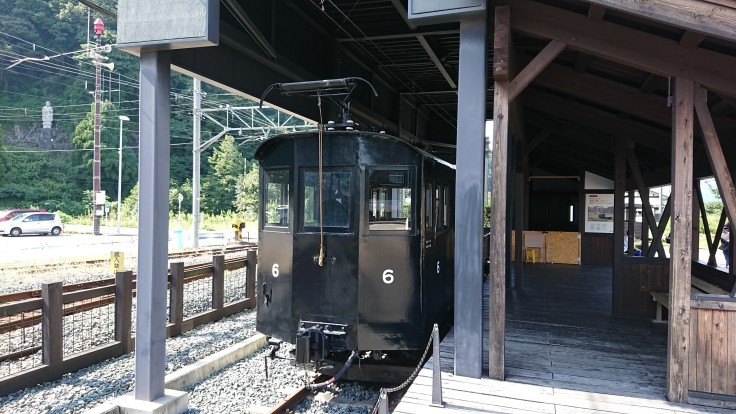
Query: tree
[[246, 193], [219, 187], [83, 138]]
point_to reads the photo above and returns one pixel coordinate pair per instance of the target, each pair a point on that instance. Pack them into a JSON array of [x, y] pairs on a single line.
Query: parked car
[[32, 223], [6, 215]]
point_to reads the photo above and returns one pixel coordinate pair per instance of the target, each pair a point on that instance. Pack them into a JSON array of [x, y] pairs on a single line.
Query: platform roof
[[612, 79]]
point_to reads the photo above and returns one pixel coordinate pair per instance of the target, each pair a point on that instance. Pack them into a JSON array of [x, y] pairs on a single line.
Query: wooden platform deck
[[564, 354]]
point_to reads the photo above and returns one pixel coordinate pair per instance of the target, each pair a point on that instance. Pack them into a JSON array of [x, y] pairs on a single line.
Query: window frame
[[302, 228], [264, 199], [411, 185]]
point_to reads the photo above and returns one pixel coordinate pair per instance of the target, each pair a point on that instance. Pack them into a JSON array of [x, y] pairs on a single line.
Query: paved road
[[78, 242]]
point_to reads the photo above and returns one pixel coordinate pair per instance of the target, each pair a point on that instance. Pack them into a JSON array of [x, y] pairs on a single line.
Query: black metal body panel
[[382, 311]]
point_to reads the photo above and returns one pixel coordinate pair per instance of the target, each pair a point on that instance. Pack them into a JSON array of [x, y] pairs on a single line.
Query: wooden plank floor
[[564, 354]]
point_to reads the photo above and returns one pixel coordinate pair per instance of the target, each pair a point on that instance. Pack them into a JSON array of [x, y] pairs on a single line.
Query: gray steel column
[[469, 198], [153, 225]]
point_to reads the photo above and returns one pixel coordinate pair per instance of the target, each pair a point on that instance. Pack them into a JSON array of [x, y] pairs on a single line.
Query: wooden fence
[[712, 358], [54, 304]]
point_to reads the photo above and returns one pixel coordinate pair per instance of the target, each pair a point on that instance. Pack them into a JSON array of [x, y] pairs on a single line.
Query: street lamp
[[120, 165]]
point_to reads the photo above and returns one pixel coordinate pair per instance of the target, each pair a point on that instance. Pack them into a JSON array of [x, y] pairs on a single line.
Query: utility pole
[[97, 212], [196, 153]]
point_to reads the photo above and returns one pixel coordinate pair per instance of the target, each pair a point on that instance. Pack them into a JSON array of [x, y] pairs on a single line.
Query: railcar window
[[438, 207], [277, 198], [336, 205], [389, 201], [445, 221], [428, 206]]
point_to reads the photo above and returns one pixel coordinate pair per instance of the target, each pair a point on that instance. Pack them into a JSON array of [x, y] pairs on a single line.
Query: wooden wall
[[713, 348], [597, 249], [641, 275]]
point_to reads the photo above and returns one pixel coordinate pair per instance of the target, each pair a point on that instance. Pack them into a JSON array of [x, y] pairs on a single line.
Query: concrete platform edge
[[190, 375]]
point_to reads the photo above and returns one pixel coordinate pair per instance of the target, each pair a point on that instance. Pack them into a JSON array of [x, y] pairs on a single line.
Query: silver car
[[32, 223]]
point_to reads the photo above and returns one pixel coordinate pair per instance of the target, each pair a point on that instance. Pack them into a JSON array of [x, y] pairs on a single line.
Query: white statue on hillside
[[47, 115]]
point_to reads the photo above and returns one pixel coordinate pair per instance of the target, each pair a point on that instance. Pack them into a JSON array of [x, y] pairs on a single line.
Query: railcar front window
[[277, 198], [390, 201], [336, 205]]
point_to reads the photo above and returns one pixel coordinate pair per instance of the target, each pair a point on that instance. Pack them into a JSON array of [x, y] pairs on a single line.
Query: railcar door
[[275, 262], [390, 287], [325, 288]]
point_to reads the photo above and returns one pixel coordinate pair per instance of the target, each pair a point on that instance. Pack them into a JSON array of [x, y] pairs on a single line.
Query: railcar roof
[[265, 145]]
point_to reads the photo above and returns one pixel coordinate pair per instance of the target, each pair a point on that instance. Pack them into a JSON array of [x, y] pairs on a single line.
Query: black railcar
[[385, 228]]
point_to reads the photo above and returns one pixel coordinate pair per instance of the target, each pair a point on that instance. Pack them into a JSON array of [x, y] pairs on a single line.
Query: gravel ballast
[[239, 388]]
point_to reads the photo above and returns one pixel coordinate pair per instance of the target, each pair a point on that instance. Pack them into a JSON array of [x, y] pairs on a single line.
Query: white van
[[32, 223]]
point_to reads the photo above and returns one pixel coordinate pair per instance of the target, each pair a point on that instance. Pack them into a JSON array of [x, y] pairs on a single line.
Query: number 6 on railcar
[[356, 249]]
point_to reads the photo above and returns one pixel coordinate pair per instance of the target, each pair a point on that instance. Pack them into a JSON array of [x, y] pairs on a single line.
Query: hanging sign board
[[599, 213], [443, 11], [162, 25]]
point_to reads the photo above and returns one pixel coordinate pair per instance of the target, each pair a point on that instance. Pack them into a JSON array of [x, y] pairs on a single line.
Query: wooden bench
[[698, 286]]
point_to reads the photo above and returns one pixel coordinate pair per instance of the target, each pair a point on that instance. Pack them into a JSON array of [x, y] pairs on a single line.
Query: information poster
[[599, 213]]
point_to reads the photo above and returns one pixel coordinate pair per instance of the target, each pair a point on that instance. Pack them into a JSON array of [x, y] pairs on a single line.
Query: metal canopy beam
[[437, 62]]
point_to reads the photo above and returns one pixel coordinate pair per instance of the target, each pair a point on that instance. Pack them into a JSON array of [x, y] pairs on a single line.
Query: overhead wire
[[410, 86]]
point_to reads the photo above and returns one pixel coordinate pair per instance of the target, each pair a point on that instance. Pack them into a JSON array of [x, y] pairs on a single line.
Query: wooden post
[[619, 188], [646, 207], [250, 277], [124, 309], [176, 298], [53, 327], [218, 281], [695, 224], [678, 339], [519, 231], [644, 228], [706, 225], [497, 300], [630, 224]]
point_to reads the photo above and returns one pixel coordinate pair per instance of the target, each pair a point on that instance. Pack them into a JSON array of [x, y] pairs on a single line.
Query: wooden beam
[[499, 184], [691, 40], [619, 188], [606, 92], [538, 139], [646, 206], [501, 43], [678, 338], [630, 230], [433, 56], [704, 219], [630, 47], [599, 120], [715, 154], [535, 67], [663, 220], [649, 84], [581, 62], [596, 12], [582, 59], [696, 15]]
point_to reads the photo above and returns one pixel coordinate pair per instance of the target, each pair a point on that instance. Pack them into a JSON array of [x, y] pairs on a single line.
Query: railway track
[[38, 268], [30, 318], [296, 397]]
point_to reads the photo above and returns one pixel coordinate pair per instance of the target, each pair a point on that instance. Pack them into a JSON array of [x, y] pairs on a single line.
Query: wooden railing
[[54, 305]]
